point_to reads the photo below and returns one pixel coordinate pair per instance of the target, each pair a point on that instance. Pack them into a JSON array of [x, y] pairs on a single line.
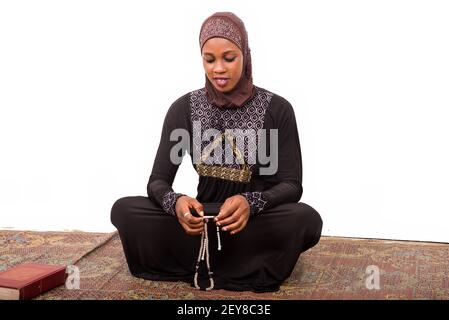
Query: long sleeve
[[159, 187], [286, 184]]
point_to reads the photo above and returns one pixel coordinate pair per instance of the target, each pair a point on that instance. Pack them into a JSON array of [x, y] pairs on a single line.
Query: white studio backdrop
[[85, 85]]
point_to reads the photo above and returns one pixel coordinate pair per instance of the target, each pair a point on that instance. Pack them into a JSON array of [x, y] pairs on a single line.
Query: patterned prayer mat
[[336, 268]]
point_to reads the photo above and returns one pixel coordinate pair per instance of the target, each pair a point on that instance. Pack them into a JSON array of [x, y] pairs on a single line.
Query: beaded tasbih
[[204, 254]]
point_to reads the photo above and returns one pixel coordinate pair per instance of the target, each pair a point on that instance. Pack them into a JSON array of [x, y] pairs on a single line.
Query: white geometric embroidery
[[249, 116], [169, 202], [256, 201]]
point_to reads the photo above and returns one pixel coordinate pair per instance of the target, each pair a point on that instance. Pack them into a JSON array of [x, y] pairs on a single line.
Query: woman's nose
[[219, 68]]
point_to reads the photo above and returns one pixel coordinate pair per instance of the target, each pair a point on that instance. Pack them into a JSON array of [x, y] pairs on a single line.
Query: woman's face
[[223, 63]]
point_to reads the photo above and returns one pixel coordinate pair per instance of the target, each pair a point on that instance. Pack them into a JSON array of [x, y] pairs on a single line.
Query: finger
[[234, 226], [191, 231], [227, 209], [232, 218], [184, 208], [193, 224], [195, 231], [198, 207], [191, 220], [196, 226], [229, 220], [239, 229]]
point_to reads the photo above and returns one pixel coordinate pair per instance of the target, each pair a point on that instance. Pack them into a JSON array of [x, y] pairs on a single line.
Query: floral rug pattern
[[336, 268]]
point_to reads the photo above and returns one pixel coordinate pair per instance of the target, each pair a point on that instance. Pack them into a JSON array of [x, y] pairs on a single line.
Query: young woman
[[262, 227]]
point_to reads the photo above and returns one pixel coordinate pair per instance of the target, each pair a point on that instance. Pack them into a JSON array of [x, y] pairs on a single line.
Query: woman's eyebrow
[[229, 51], [226, 52]]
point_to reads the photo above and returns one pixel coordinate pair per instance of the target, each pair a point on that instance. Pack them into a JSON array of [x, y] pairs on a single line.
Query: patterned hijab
[[227, 25]]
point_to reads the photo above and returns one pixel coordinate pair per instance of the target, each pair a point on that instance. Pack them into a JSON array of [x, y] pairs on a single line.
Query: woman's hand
[[192, 225], [234, 214]]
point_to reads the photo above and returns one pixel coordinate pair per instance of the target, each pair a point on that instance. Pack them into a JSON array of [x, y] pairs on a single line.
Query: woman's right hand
[[192, 225]]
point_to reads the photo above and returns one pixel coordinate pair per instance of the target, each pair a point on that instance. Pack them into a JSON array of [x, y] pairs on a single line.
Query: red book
[[28, 280]]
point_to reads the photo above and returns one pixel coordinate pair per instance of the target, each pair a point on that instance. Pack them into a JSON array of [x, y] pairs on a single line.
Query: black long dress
[[264, 253]]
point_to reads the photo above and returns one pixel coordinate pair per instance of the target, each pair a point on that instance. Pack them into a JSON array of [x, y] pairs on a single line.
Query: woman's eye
[[226, 59]]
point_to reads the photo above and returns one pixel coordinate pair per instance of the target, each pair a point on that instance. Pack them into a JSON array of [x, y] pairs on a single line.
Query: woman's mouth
[[221, 82]]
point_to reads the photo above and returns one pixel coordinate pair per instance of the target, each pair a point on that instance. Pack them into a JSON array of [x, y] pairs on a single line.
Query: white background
[[85, 85]]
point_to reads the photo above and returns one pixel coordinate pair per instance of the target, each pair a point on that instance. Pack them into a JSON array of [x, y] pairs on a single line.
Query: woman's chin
[[221, 89]]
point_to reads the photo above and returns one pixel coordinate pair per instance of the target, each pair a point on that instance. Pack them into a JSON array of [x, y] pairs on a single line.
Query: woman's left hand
[[234, 214]]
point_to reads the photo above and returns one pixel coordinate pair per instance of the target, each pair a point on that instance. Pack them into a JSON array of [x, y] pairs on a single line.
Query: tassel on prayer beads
[[204, 254]]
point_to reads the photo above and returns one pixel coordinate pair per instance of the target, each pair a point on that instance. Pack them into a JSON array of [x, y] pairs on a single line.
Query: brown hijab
[[227, 25]]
